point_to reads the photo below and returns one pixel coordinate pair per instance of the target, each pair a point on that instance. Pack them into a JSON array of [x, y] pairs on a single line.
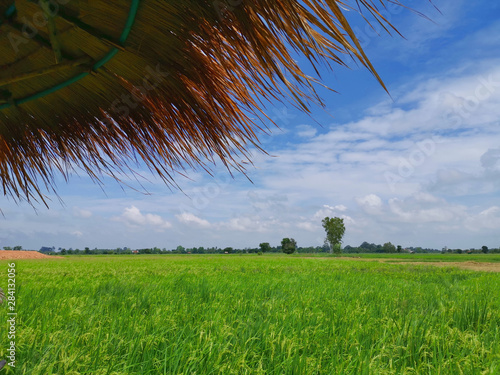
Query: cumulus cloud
[[330, 211], [419, 208], [415, 211], [132, 216], [370, 203], [191, 219], [488, 219]]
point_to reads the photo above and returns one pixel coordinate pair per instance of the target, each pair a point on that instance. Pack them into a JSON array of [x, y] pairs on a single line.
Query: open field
[[231, 314]]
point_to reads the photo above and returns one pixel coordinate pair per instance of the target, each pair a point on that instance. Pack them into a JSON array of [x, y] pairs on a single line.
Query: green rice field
[[250, 314]]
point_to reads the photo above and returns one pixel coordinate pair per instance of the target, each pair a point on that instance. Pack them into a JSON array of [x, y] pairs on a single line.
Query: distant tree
[[7, 248], [326, 247], [335, 230], [364, 245], [484, 249], [389, 248], [86, 251], [288, 245], [459, 251], [399, 248], [18, 247], [63, 252], [368, 247], [264, 247], [351, 249], [228, 250]]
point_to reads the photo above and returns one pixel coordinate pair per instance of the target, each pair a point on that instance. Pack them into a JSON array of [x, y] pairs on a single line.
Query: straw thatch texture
[[184, 88]]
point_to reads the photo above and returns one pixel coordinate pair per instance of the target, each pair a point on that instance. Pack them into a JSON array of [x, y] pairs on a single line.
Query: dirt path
[[468, 265], [20, 254]]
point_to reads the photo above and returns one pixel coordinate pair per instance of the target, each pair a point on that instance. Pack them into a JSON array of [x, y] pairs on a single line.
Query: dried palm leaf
[[98, 85]]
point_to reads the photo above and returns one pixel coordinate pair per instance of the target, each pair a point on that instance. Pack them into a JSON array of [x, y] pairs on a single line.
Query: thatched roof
[[100, 84]]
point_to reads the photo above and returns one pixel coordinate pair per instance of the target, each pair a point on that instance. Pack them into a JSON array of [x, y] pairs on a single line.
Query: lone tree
[[335, 230], [264, 246], [288, 245]]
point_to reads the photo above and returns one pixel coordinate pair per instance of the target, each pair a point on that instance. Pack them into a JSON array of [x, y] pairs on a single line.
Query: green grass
[[251, 315]]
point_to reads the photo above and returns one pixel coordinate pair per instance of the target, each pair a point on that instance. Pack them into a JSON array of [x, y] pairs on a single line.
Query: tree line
[[290, 246], [334, 228]]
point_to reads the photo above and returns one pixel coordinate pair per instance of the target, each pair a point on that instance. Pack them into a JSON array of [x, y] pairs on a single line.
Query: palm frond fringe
[[186, 88]]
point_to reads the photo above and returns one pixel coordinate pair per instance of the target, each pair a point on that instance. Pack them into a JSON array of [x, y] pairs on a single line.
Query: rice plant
[[253, 315]]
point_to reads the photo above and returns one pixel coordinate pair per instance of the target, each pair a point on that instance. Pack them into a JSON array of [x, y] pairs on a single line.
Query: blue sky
[[419, 168]]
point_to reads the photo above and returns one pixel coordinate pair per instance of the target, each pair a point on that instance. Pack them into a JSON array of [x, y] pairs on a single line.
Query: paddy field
[[250, 314]]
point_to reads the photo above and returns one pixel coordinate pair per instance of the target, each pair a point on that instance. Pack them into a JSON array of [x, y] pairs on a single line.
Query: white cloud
[[416, 211], [370, 203], [188, 218], [132, 216], [488, 219], [306, 131]]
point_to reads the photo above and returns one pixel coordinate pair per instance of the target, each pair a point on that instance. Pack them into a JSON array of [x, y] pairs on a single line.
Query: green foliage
[[337, 248], [335, 230], [389, 248], [265, 247], [399, 248], [288, 245], [253, 315]]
